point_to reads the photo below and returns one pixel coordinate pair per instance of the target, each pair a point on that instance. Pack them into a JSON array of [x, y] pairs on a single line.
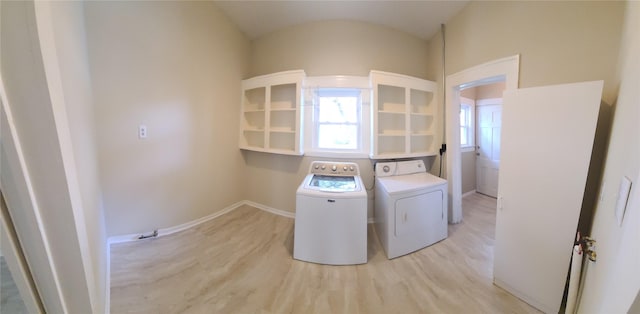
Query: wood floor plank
[[242, 262]]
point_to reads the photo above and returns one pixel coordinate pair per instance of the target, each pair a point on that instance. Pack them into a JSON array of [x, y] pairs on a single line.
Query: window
[[336, 112], [338, 119], [467, 118]]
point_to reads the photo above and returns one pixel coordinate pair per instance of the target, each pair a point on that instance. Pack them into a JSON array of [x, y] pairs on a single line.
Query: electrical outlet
[[142, 131]]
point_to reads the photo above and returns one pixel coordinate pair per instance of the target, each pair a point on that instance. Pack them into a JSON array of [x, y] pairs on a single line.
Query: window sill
[[327, 154]]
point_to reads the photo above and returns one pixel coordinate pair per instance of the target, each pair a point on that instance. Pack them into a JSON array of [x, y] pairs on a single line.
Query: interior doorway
[[502, 70], [480, 129]]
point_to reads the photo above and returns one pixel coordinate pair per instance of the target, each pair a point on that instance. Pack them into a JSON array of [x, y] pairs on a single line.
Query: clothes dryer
[[410, 207]]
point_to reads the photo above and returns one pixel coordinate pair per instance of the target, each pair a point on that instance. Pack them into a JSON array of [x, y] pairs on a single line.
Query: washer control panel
[[399, 168], [334, 168]]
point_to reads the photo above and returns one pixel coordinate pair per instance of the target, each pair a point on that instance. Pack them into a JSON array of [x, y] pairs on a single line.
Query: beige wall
[[468, 171], [176, 68], [339, 47], [613, 282], [490, 91], [324, 48], [558, 42]]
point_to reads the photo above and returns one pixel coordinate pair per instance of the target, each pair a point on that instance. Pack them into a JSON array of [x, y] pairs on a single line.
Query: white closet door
[[547, 137]]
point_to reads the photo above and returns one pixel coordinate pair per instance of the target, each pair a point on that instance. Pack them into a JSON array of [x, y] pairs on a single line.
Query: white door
[[489, 123], [547, 136]]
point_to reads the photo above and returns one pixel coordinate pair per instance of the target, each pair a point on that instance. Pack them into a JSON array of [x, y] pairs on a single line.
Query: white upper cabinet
[[403, 115], [270, 113]]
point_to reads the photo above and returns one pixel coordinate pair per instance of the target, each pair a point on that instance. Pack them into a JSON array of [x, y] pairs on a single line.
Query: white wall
[[613, 281], [175, 67], [324, 48]]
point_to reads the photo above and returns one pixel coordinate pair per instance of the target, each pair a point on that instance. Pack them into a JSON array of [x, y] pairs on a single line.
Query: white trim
[[178, 228], [310, 126], [505, 69], [107, 297], [272, 210], [171, 230], [488, 101], [17, 265], [472, 123], [50, 272], [469, 193], [338, 81], [44, 22], [329, 154], [523, 296]]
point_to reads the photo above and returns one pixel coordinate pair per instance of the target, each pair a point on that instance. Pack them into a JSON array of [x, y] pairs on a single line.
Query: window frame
[[314, 87], [471, 108]]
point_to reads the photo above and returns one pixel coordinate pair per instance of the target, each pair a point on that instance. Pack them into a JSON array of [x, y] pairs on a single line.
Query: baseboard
[[469, 193], [107, 300], [178, 228], [524, 297], [272, 210]]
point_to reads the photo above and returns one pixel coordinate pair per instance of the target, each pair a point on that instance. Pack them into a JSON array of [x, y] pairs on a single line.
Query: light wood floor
[[241, 263]]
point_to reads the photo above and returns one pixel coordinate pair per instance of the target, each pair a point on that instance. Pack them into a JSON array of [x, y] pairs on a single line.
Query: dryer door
[[420, 215]]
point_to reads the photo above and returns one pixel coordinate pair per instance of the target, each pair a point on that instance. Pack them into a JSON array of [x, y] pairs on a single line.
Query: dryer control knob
[[316, 167], [345, 168], [323, 167], [351, 168], [334, 168], [386, 168]]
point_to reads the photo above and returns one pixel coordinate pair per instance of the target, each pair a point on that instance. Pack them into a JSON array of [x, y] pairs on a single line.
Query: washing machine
[[331, 215], [410, 207]]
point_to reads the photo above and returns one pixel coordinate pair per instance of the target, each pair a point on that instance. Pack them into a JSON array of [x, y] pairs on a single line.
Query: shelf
[[393, 107], [404, 116], [392, 112], [393, 133], [282, 130], [270, 113], [422, 134]]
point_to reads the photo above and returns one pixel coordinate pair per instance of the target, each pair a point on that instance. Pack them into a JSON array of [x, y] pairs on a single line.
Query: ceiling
[[421, 18]]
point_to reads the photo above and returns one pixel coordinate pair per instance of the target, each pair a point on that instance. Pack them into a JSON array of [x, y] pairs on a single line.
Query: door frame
[[505, 69]]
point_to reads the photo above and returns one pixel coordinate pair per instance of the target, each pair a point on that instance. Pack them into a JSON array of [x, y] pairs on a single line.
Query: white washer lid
[[410, 183]]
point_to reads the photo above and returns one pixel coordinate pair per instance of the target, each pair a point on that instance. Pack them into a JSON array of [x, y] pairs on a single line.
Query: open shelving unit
[[271, 113], [403, 116]]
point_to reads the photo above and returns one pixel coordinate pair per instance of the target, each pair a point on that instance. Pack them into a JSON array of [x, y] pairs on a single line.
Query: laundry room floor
[[241, 263]]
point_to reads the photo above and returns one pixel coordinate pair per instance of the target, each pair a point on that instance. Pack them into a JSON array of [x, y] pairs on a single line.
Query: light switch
[[623, 197], [142, 131]]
